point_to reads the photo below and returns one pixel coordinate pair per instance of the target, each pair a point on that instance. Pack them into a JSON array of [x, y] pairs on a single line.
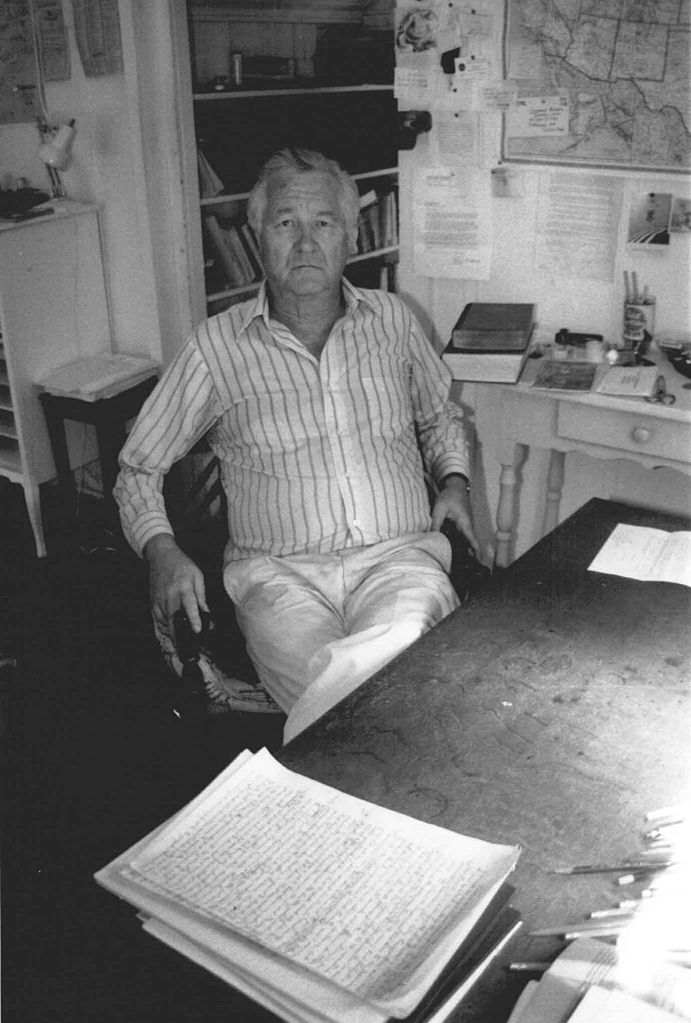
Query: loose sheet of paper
[[577, 225], [651, 555], [586, 963], [598, 1004], [452, 223], [307, 872]]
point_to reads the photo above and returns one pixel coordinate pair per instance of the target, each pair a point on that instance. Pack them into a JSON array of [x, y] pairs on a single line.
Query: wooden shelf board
[[238, 94]]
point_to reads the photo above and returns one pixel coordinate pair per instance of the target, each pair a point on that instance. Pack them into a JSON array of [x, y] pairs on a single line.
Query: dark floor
[[90, 744]]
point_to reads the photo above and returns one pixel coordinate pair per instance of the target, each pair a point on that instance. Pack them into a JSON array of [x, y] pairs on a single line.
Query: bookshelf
[[318, 76]]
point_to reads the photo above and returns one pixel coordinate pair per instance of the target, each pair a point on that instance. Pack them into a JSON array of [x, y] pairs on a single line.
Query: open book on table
[[322, 907]]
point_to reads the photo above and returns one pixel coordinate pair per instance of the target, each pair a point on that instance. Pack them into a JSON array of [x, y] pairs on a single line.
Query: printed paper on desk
[[651, 555], [587, 962], [599, 1004], [452, 223]]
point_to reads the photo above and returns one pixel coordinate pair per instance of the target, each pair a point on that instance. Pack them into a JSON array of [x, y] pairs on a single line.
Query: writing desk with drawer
[[599, 425]]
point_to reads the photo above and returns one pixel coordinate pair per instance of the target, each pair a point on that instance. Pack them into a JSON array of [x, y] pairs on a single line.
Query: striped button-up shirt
[[316, 455]]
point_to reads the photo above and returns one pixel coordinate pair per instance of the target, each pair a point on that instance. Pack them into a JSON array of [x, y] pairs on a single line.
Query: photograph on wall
[[649, 219], [681, 216]]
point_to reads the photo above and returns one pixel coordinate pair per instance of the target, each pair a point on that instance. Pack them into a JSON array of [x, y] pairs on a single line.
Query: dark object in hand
[[190, 694]]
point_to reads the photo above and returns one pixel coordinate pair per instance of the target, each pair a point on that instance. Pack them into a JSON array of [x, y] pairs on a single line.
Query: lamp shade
[[58, 152]]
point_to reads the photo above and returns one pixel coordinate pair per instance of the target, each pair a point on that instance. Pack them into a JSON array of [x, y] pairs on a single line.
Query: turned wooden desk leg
[[506, 507], [555, 485]]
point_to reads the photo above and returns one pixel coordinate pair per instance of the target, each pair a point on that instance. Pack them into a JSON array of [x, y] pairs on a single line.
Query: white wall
[[113, 156], [561, 301]]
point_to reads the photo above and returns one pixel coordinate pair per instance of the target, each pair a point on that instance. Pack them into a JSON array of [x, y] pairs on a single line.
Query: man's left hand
[[453, 503]]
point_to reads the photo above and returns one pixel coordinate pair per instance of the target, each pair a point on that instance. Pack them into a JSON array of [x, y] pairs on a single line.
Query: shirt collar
[[259, 306]]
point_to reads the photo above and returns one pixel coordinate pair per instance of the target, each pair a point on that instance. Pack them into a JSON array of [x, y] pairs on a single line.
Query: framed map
[[616, 70]]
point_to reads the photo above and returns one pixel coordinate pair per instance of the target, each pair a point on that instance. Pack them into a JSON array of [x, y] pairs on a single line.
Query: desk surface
[[553, 711]]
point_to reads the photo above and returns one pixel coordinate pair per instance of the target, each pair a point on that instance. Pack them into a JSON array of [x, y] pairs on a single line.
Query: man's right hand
[[174, 582]]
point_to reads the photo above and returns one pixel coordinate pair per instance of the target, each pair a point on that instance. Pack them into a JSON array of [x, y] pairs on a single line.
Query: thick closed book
[[491, 341]]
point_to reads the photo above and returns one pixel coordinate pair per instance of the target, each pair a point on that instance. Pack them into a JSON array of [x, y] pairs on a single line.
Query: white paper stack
[[98, 376], [322, 907], [593, 982]]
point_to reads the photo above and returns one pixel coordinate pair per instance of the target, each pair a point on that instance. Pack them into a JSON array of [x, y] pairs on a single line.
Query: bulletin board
[[21, 36], [18, 74]]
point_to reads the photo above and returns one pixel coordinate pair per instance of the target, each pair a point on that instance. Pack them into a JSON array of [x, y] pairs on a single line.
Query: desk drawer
[[627, 431]]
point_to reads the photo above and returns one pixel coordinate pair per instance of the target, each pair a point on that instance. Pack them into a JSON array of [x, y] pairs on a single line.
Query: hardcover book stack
[[491, 341], [322, 907]]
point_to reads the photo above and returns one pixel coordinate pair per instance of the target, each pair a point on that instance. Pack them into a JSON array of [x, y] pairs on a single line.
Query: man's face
[[303, 238]]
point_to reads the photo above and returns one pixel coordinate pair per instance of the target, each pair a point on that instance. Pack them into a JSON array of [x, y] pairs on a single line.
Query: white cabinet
[[53, 309]]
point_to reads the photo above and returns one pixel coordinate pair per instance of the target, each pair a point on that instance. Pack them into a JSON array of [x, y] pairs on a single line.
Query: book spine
[[252, 249], [232, 271], [238, 250]]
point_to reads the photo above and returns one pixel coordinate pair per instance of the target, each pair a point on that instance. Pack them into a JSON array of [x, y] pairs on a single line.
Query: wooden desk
[[605, 427], [553, 711]]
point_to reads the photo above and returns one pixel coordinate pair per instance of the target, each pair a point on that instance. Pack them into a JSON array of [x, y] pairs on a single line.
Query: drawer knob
[[641, 434]]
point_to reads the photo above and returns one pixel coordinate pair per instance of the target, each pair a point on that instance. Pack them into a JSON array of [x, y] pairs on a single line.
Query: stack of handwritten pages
[[321, 907]]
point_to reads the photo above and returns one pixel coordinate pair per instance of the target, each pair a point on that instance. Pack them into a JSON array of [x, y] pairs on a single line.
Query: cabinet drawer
[[627, 431]]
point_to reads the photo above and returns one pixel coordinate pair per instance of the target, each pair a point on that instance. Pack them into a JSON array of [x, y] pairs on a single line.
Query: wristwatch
[[458, 476]]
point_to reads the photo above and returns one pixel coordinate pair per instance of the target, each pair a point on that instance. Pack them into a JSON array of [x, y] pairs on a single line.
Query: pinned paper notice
[[538, 117], [651, 555]]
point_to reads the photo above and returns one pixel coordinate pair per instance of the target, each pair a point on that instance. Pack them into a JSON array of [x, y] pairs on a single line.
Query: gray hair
[[303, 161]]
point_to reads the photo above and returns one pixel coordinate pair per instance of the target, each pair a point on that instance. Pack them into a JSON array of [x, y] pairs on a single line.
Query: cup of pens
[[639, 315]]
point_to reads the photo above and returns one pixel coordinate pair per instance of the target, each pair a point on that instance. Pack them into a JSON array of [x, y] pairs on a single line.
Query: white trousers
[[317, 626]]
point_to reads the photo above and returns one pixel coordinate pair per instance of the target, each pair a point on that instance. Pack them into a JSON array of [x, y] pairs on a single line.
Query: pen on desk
[[529, 967], [601, 914], [601, 868], [591, 928], [631, 877], [663, 832], [666, 815]]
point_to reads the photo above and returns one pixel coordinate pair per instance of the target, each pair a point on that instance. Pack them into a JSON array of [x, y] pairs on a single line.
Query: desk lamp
[[56, 153]]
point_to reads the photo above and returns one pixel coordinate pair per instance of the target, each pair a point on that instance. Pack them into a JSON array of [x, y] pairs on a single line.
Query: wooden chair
[[214, 672]]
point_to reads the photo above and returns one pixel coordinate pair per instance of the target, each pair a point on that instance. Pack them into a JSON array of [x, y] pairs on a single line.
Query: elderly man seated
[[324, 404]]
